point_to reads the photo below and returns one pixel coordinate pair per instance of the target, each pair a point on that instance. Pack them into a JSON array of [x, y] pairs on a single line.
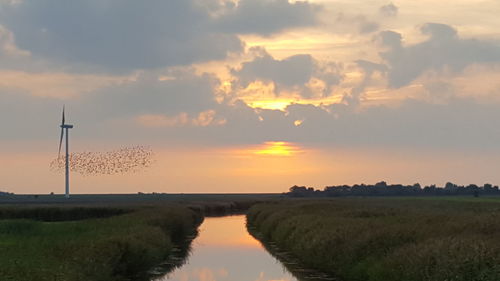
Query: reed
[[120, 247], [386, 239]]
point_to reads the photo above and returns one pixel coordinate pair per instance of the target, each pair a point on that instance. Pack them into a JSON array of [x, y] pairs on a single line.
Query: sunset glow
[[257, 85], [271, 104]]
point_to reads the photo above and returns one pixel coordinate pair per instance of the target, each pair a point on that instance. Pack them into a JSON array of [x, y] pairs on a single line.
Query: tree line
[[384, 189]]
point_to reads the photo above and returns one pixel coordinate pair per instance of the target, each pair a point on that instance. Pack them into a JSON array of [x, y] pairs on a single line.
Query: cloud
[[56, 84], [292, 71], [11, 56], [357, 24], [368, 27], [174, 98], [389, 10], [203, 119], [391, 39], [8, 46], [170, 93], [34, 101], [289, 74], [128, 115], [460, 123], [23, 116], [444, 50], [267, 17], [368, 69], [116, 35]]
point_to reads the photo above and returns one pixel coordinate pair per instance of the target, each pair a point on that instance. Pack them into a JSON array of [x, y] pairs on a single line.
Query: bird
[[121, 161]]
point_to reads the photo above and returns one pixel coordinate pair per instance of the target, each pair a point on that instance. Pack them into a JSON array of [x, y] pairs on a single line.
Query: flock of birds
[[121, 161]]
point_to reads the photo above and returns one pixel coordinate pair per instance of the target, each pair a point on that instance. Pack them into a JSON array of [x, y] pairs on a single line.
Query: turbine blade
[[63, 116], [60, 142]]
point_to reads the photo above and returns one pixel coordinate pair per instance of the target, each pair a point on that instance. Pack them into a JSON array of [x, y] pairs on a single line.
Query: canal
[[224, 250]]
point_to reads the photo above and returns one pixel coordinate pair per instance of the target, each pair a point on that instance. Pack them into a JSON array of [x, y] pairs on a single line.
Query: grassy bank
[[104, 244], [379, 239]]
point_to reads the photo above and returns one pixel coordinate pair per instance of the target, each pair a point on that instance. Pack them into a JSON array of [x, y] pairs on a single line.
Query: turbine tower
[[66, 127]]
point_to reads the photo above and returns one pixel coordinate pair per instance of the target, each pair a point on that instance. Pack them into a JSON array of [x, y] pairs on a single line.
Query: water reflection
[[225, 251]]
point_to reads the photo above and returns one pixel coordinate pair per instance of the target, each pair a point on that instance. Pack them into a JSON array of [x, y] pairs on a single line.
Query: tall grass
[[121, 247], [378, 239]]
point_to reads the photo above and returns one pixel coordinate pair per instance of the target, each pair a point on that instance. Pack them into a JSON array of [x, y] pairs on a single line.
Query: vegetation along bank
[[77, 243], [387, 239]]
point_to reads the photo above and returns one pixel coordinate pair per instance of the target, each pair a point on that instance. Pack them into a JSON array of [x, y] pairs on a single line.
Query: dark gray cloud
[[124, 35], [443, 50], [292, 73], [118, 34], [266, 17], [389, 10]]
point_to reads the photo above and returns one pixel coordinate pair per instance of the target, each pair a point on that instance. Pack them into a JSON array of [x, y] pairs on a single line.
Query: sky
[[251, 95]]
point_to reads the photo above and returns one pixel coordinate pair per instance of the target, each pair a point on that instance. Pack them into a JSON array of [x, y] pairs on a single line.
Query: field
[[100, 237], [388, 239], [120, 247], [123, 237]]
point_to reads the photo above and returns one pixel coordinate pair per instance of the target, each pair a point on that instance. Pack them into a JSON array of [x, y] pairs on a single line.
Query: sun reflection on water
[[225, 251]]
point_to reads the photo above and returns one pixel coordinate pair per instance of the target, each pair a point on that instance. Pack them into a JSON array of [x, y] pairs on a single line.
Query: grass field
[[388, 239], [118, 247]]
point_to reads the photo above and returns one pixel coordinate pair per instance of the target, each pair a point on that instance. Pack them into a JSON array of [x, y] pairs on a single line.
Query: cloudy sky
[[252, 95]]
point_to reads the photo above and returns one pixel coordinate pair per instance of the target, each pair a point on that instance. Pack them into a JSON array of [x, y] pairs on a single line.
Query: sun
[[277, 148], [268, 149]]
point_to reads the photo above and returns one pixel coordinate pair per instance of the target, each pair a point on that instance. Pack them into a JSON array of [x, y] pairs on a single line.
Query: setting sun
[[277, 148]]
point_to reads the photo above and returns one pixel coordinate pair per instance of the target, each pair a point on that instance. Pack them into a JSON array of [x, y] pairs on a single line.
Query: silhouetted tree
[[383, 189]]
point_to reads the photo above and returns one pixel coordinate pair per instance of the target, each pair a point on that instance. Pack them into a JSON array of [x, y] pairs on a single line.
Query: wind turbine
[[63, 128]]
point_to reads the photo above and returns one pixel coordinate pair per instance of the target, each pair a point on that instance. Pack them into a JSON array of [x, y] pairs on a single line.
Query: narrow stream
[[225, 251]]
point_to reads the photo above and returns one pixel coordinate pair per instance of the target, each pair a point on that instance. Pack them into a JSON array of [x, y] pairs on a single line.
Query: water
[[225, 251]]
